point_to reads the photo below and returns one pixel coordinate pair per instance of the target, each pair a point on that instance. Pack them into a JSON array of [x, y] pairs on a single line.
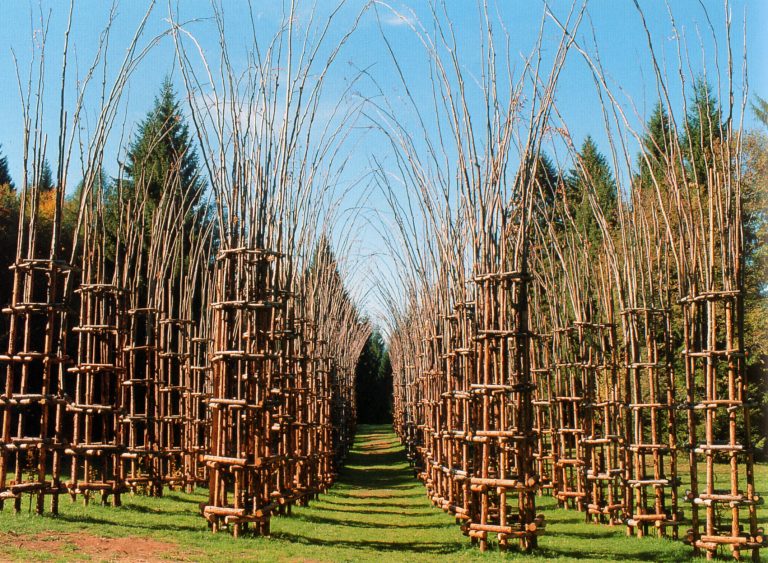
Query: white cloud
[[393, 19]]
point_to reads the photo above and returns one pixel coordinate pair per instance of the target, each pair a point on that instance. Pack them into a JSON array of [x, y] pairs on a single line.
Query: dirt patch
[[377, 445], [373, 493], [95, 547]]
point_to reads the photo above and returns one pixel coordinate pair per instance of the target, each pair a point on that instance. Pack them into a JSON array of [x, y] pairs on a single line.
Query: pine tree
[[160, 158], [385, 383], [761, 110], [702, 132], [547, 179], [9, 228], [373, 382], [163, 149], [5, 173], [45, 183], [656, 148], [593, 174], [547, 199]]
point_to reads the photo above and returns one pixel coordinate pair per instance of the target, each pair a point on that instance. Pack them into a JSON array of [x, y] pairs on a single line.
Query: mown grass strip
[[376, 511]]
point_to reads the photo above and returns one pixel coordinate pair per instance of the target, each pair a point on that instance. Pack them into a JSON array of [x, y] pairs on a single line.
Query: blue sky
[[620, 38], [618, 34]]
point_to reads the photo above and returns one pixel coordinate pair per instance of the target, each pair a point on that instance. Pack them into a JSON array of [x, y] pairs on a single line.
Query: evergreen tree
[[761, 110], [162, 151], [5, 173], [547, 195], [160, 157], [374, 382], [45, 183], [593, 174], [547, 181], [656, 145], [9, 230], [702, 132]]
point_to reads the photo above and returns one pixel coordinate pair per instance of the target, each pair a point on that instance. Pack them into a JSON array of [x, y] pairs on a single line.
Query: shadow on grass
[[120, 524], [649, 555], [591, 535], [392, 493], [182, 500], [435, 548], [173, 511], [376, 480], [412, 513], [372, 501], [372, 525]]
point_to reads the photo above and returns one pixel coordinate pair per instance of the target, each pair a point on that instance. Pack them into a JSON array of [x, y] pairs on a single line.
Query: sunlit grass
[[377, 511]]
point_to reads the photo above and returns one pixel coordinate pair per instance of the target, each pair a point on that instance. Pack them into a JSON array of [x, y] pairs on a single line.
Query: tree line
[[162, 148], [572, 193]]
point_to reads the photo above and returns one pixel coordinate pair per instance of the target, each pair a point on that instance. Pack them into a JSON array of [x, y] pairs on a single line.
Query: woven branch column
[[140, 460], [410, 414], [281, 384], [290, 420], [422, 410], [93, 414], [603, 432], [197, 395], [433, 425], [316, 411], [450, 469], [172, 417], [714, 371], [31, 397], [242, 454], [342, 413], [467, 355], [323, 372], [304, 424], [569, 486], [652, 481], [285, 380], [543, 408], [503, 438]]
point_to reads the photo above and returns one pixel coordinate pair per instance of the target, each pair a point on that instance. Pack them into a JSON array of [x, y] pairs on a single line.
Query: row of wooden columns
[[262, 412], [464, 409], [601, 428], [282, 404]]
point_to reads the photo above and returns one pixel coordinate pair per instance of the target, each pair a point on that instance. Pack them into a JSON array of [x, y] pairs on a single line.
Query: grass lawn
[[375, 512]]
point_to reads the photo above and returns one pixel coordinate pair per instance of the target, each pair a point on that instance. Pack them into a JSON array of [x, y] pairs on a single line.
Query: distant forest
[[374, 383]]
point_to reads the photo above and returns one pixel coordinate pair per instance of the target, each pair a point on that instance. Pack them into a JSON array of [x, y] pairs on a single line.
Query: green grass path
[[376, 511]]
